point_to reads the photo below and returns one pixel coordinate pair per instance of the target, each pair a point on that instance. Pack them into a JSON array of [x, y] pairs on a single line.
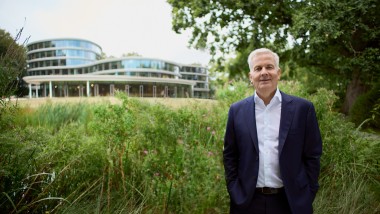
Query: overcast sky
[[118, 26]]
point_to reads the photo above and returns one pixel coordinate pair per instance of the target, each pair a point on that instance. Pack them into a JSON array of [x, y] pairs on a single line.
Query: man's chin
[[266, 89], [266, 85]]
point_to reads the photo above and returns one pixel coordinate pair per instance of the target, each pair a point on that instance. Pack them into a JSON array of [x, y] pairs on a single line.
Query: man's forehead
[[266, 62]]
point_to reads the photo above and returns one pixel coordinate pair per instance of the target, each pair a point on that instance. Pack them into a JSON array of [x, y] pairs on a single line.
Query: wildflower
[[213, 132], [208, 128]]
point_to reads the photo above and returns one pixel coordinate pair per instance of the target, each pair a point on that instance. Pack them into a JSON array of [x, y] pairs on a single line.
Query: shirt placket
[[266, 133]]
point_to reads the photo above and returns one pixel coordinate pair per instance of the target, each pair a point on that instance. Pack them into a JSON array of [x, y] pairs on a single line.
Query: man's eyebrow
[[266, 65]]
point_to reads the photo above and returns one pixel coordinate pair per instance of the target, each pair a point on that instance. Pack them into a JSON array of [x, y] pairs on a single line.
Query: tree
[[12, 63], [347, 33], [338, 39]]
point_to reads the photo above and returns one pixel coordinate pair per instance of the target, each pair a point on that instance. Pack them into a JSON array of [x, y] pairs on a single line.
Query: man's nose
[[264, 72]]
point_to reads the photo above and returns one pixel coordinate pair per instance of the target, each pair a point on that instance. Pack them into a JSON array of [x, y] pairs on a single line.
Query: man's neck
[[267, 97]]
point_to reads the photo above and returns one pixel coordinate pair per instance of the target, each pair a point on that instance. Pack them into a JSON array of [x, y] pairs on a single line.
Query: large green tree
[[12, 63], [338, 39]]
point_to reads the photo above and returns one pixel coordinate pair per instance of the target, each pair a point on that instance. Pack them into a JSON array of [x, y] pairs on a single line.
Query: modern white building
[[71, 67]]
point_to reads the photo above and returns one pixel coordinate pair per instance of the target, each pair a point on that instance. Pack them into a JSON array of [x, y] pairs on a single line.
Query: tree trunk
[[355, 88]]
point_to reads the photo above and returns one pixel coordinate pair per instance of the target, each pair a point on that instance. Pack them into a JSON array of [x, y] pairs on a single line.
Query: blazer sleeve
[[312, 150], [230, 151]]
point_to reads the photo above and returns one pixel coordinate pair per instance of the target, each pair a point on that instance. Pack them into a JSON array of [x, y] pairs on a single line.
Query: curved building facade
[[71, 67]]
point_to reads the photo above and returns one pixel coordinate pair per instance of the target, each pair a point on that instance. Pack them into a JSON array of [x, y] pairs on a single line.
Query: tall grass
[[55, 116], [139, 157]]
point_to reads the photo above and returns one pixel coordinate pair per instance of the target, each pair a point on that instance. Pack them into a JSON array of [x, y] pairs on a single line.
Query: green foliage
[[8, 113], [226, 26], [178, 151], [348, 171], [12, 63], [19, 174], [58, 115], [345, 32], [365, 110], [338, 40], [234, 91], [336, 37], [137, 157]]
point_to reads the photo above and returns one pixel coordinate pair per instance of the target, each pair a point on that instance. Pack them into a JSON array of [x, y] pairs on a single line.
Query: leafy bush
[[138, 157], [12, 64], [347, 177], [19, 168], [365, 109]]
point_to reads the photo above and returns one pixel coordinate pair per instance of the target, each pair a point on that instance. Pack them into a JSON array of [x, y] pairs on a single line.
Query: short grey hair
[[263, 50]]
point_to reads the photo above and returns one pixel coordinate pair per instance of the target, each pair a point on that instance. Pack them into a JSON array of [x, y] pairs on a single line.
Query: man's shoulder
[[242, 102]]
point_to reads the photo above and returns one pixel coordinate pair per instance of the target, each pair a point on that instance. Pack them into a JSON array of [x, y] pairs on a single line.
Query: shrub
[[20, 180], [139, 157], [365, 110]]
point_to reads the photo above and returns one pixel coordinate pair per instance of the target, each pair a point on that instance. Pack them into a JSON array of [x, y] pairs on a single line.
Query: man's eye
[[270, 67], [257, 69]]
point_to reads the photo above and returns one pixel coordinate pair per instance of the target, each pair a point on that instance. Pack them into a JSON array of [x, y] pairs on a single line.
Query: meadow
[[130, 155]]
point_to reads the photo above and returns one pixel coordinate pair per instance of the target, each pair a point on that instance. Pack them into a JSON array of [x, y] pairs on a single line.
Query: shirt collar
[[276, 96]]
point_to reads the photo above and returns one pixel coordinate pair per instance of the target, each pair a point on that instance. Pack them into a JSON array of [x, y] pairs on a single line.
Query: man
[[272, 146]]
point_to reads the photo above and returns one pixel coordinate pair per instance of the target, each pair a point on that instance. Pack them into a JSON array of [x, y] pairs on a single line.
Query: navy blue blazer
[[300, 148]]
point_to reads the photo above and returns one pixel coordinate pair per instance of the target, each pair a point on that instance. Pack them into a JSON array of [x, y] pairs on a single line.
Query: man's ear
[[279, 73]]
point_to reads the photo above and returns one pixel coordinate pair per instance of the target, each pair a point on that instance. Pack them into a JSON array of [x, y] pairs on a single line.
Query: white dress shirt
[[268, 128]]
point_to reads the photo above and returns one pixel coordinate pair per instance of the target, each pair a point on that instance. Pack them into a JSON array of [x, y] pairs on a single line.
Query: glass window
[[155, 64]]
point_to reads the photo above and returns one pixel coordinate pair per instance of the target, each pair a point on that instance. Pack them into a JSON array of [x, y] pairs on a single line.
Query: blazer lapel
[[287, 113], [250, 119]]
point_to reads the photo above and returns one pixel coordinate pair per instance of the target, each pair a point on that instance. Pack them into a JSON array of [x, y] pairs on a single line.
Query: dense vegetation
[[12, 64], [138, 157], [338, 40]]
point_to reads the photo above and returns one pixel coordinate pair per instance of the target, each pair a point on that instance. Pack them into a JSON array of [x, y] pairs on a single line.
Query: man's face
[[264, 74]]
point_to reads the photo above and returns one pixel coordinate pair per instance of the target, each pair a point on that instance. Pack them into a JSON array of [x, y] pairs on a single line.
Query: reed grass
[[139, 156]]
